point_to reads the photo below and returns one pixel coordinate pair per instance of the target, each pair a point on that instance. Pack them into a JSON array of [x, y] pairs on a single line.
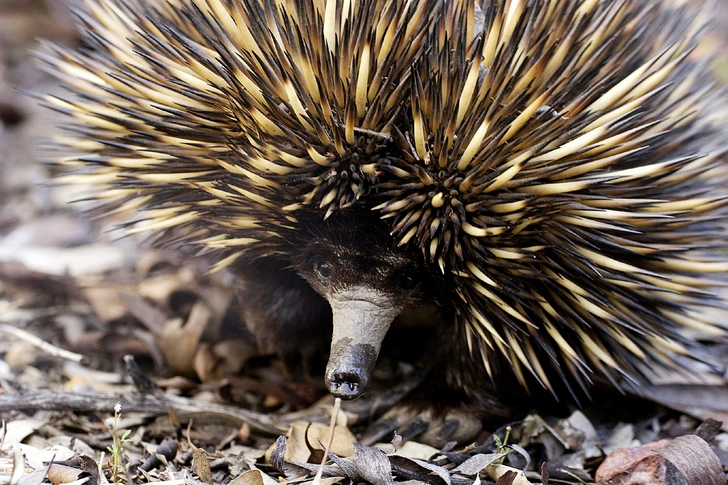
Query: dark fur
[[281, 308]]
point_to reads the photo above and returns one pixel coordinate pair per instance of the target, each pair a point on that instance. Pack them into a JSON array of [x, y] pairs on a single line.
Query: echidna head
[[351, 261]]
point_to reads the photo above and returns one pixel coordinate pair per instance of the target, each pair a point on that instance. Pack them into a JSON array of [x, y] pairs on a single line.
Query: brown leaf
[[515, 476], [544, 474], [636, 465], [304, 437], [64, 474], [253, 477], [507, 478], [179, 341], [694, 459], [201, 465]]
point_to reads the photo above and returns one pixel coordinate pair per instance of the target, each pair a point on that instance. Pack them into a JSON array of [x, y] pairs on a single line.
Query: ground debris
[[215, 453], [128, 362]]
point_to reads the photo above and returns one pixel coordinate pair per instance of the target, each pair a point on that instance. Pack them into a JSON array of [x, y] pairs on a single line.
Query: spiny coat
[[552, 173]]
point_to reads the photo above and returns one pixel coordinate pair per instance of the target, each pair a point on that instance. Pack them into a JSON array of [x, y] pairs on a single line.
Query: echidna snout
[[361, 318]]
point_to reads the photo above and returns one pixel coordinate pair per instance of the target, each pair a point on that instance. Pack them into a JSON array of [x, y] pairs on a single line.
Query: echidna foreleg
[[430, 426], [286, 316]]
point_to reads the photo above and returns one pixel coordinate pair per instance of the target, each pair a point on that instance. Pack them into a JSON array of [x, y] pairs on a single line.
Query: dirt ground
[[89, 320]]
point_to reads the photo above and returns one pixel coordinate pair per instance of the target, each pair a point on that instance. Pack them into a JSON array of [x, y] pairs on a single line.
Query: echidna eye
[[409, 282], [323, 270]]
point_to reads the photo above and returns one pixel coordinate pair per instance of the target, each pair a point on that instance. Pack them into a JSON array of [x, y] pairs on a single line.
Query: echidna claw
[[415, 428], [430, 427], [379, 430], [449, 427]]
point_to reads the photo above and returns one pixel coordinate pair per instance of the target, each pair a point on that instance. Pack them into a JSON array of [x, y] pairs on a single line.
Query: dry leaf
[[16, 431], [694, 459], [201, 465], [75, 261], [58, 474], [179, 341], [105, 300], [373, 465], [474, 465], [633, 466], [304, 437], [579, 433], [495, 472], [253, 477], [412, 449]]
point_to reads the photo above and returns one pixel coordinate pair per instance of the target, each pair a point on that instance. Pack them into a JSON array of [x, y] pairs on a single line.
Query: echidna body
[[551, 173]]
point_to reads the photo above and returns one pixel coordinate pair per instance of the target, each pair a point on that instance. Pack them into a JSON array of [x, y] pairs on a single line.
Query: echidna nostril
[[345, 385]]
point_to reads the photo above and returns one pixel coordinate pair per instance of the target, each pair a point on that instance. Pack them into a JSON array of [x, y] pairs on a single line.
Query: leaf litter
[[90, 323]]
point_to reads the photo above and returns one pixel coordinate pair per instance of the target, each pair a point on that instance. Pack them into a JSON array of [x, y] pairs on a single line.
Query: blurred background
[[23, 122]]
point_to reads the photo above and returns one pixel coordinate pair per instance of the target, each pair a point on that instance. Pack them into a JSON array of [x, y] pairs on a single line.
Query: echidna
[[550, 173]]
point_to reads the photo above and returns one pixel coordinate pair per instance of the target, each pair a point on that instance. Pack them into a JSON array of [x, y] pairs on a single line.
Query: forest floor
[[113, 365]]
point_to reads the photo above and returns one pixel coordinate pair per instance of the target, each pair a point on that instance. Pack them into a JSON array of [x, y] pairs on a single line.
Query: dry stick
[[147, 398], [44, 346], [332, 427]]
